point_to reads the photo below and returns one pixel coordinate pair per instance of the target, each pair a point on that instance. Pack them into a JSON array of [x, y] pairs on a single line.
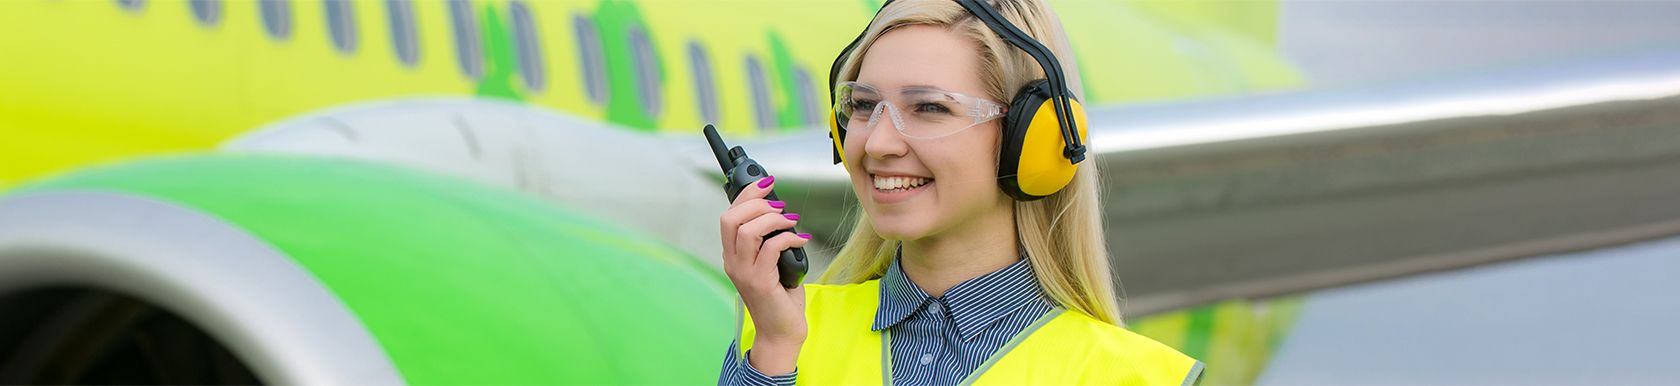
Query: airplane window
[[704, 90], [468, 53], [647, 69], [760, 93], [132, 5], [341, 23], [589, 51], [811, 104], [530, 53], [403, 38], [208, 12], [277, 18]]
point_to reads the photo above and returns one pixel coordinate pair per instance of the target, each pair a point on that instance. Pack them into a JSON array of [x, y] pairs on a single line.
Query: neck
[[938, 262]]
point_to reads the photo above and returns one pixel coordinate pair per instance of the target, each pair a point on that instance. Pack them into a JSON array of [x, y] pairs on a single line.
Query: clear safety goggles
[[932, 113]]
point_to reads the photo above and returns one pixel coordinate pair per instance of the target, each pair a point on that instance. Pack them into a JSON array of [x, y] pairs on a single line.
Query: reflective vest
[[1060, 348]]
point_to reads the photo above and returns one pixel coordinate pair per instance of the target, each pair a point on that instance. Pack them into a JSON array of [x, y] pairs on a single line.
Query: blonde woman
[[954, 272]]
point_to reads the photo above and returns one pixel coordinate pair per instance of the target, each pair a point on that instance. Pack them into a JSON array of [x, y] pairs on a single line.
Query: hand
[[778, 313]]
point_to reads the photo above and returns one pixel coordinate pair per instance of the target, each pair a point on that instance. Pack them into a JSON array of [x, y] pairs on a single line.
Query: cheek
[[976, 153], [852, 145], [964, 164], [852, 158]]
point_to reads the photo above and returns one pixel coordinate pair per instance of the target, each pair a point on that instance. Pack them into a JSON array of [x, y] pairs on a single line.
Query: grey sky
[[1342, 42]]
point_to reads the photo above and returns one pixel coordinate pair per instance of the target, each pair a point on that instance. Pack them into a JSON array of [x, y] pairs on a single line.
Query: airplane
[[510, 191]]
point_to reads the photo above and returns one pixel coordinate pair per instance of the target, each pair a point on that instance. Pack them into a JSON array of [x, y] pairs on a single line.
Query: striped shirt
[[935, 340]]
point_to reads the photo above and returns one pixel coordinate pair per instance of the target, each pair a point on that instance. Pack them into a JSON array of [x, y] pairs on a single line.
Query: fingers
[[771, 252], [763, 277], [739, 214], [758, 189], [743, 228], [750, 236], [750, 198]]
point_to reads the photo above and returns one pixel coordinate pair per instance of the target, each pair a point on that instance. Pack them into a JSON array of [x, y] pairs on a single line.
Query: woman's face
[[960, 169]]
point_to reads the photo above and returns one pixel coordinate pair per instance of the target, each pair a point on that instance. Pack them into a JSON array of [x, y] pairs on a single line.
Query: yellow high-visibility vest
[[1061, 348]]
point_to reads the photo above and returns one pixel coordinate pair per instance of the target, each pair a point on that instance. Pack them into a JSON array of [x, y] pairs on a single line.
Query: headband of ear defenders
[[1074, 149]]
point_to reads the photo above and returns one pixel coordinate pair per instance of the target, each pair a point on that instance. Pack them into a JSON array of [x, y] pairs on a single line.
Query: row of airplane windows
[[276, 16]]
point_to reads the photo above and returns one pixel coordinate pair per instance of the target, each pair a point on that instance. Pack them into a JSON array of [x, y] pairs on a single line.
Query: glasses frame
[[979, 110]]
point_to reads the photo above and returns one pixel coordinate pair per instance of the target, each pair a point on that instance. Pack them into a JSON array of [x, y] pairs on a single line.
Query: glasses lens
[[856, 103], [932, 113], [918, 112]]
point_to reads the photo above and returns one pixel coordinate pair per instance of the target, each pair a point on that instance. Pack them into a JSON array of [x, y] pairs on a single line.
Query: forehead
[[922, 55]]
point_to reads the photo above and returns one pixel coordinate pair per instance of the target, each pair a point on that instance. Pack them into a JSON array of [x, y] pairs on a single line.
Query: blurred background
[[515, 191]]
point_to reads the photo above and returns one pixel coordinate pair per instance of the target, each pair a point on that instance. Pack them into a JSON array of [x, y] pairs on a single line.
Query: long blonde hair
[[1062, 233]]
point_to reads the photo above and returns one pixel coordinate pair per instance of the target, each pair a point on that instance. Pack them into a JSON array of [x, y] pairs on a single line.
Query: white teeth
[[890, 183]]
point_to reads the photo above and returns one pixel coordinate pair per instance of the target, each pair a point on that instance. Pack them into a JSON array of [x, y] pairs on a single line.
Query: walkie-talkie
[[740, 171]]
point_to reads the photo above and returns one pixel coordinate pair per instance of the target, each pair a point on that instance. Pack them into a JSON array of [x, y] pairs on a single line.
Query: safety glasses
[[917, 112]]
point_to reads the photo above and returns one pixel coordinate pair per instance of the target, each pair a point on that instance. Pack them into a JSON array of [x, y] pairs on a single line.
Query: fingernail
[[805, 235], [792, 216], [778, 204], [765, 183]]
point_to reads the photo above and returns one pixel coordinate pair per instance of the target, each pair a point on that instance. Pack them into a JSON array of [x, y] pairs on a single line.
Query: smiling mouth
[[899, 184]]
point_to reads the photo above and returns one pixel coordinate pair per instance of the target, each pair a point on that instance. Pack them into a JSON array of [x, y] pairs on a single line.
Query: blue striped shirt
[[935, 340]]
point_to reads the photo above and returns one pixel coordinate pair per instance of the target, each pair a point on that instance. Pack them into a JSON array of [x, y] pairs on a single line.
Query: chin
[[899, 227]]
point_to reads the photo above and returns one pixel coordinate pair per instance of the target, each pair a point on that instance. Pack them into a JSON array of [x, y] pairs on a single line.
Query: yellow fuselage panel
[[89, 81]]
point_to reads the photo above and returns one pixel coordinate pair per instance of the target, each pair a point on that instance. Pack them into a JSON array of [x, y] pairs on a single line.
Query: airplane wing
[[1204, 200], [1274, 194]]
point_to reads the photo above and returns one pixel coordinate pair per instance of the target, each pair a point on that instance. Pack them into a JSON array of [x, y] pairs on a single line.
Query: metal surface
[[282, 322], [1229, 198], [620, 177], [458, 282], [1286, 215], [1273, 194]]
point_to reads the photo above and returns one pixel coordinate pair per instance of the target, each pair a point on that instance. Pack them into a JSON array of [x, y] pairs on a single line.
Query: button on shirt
[[935, 340]]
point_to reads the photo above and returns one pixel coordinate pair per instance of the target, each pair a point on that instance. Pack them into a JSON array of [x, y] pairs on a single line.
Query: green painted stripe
[[460, 283], [1198, 332]]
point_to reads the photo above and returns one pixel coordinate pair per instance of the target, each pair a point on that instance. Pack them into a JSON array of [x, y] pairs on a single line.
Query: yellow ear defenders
[[1034, 161]]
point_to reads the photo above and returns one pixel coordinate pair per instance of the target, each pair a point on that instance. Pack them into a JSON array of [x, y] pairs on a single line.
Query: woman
[[945, 278]]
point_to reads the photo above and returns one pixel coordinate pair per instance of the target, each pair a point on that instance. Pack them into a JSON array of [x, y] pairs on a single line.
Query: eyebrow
[[926, 90], [906, 87], [922, 88], [914, 88]]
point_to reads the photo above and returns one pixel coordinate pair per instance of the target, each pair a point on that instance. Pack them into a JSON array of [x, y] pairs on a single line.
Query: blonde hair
[[1062, 233]]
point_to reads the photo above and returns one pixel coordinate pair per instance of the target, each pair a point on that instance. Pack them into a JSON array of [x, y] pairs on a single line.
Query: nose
[[885, 140]]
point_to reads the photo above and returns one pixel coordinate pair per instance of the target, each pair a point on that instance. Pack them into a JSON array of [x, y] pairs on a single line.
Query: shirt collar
[[974, 304]]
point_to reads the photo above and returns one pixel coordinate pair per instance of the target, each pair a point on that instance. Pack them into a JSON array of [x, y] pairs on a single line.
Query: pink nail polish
[[792, 216], [778, 204], [805, 235], [765, 183]]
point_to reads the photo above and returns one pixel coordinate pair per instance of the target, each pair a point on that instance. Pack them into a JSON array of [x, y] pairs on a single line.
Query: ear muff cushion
[[838, 136], [1043, 170], [1030, 162]]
